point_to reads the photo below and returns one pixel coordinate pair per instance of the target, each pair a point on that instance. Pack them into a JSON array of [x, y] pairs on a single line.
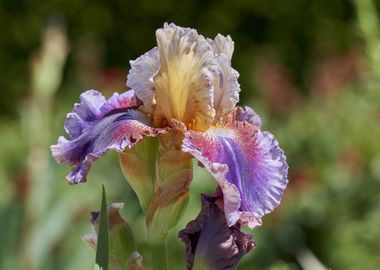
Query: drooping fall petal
[[210, 243], [248, 164], [246, 114], [97, 126]]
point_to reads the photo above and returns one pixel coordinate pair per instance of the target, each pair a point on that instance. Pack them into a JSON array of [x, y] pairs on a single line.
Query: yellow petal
[[184, 83]]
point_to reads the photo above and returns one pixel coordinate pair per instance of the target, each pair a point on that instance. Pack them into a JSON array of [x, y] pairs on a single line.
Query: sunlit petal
[[97, 126], [223, 45], [227, 88], [140, 77], [248, 164], [184, 83], [246, 114]]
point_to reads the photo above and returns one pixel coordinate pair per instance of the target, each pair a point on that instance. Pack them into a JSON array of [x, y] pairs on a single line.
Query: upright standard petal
[[210, 243], [140, 77], [252, 168], [96, 126], [227, 87], [185, 81], [223, 45]]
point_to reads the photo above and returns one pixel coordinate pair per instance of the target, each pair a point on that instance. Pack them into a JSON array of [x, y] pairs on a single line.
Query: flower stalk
[[159, 255]]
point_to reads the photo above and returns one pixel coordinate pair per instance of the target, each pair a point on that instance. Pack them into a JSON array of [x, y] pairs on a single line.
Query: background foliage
[[311, 69]]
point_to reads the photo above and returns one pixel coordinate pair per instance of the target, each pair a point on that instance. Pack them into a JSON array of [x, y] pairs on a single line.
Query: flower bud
[[121, 238], [210, 243]]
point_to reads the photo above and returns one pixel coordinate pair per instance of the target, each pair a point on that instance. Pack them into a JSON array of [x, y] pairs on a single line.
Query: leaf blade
[[102, 248]]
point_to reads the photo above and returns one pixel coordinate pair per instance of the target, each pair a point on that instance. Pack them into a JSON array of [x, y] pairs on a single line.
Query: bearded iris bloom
[[183, 97]]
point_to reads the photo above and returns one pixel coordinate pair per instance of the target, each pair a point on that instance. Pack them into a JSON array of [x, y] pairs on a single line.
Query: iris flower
[[184, 92]]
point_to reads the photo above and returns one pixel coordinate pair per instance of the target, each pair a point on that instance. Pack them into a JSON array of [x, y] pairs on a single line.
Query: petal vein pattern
[[256, 172], [97, 126], [184, 83]]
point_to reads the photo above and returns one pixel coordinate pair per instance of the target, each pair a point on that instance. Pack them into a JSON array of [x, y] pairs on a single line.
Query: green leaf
[[102, 249]]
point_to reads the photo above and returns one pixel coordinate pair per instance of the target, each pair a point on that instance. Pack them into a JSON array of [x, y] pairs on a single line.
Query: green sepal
[[139, 168], [174, 174]]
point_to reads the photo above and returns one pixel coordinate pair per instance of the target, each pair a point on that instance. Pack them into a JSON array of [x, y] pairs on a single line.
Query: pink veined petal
[[93, 106], [256, 169], [99, 127], [119, 102], [246, 114]]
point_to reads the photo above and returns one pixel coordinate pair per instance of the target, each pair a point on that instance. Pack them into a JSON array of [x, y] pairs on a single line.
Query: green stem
[[159, 255]]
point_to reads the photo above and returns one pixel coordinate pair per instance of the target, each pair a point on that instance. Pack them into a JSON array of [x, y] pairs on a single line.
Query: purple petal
[[211, 243], [112, 124], [248, 115], [248, 164], [87, 110], [119, 102]]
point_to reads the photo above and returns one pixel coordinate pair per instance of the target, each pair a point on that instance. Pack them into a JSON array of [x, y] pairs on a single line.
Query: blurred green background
[[311, 69]]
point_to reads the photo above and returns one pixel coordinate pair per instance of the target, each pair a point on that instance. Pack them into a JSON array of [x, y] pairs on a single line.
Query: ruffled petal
[[223, 45], [140, 77], [185, 81], [87, 110], [211, 243], [119, 102], [246, 114], [227, 87], [113, 124], [255, 172]]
